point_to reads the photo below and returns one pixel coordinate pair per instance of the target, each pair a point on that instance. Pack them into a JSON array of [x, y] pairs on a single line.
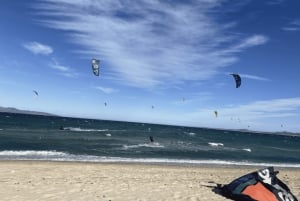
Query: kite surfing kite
[[95, 66], [237, 79], [35, 92], [216, 114], [261, 185]]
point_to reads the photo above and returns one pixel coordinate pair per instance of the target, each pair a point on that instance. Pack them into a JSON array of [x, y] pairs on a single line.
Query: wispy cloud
[[257, 114], [254, 77], [275, 108], [150, 43], [296, 22], [38, 48], [193, 98], [107, 90], [275, 2], [63, 70], [290, 28], [293, 25], [250, 42]]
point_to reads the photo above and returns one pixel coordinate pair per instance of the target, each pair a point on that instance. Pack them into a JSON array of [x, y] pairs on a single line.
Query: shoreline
[[168, 162], [57, 180], [161, 165], [153, 164]]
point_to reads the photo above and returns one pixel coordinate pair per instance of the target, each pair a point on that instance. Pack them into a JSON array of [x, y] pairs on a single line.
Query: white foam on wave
[[77, 129], [190, 133], [194, 162], [62, 156], [247, 149], [215, 144], [108, 134], [152, 145], [32, 153]]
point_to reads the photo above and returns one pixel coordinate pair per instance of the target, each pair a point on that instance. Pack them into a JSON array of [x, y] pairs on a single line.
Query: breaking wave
[[84, 129], [215, 144], [62, 156], [152, 145]]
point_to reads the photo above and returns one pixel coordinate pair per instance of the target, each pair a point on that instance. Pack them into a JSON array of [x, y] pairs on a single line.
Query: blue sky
[[174, 55]]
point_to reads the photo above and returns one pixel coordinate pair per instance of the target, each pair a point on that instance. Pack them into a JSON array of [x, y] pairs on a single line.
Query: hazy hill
[[15, 110]]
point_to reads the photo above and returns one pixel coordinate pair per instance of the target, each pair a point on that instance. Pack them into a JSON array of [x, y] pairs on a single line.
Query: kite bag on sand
[[262, 185]]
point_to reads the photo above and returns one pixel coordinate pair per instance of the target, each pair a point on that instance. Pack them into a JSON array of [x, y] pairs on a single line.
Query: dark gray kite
[[216, 113], [238, 80], [35, 92]]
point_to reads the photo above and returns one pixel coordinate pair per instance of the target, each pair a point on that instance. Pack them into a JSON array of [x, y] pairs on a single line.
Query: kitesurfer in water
[[151, 138]]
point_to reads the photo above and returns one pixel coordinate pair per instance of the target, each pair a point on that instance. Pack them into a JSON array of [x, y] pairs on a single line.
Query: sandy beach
[[32, 180]]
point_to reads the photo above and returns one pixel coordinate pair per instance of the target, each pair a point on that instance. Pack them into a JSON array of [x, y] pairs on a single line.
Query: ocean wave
[[77, 129], [152, 145], [247, 149], [32, 153], [282, 149], [190, 133], [62, 156], [215, 144]]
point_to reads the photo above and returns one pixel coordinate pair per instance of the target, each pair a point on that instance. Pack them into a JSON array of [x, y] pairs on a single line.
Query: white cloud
[[294, 25], [290, 28], [275, 108], [254, 77], [247, 76], [250, 42], [38, 48], [106, 90], [195, 98], [63, 70], [150, 43], [60, 68], [260, 115], [296, 22]]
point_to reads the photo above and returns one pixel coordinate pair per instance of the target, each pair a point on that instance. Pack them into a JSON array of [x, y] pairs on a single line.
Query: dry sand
[[32, 180]]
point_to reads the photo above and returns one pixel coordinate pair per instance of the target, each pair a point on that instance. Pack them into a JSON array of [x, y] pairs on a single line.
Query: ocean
[[53, 138]]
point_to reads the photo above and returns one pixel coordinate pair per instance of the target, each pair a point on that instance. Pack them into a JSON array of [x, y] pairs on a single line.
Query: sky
[[161, 61]]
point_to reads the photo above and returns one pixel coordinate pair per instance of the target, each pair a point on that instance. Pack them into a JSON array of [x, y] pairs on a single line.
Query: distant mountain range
[[15, 110], [18, 111]]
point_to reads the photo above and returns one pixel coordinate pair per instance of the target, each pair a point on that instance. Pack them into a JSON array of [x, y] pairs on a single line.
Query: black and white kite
[[96, 66]]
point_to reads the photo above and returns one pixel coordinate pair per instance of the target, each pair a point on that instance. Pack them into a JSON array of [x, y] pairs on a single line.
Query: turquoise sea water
[[33, 137]]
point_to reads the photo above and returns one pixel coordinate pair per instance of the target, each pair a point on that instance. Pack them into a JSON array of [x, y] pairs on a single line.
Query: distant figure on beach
[[151, 138]]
